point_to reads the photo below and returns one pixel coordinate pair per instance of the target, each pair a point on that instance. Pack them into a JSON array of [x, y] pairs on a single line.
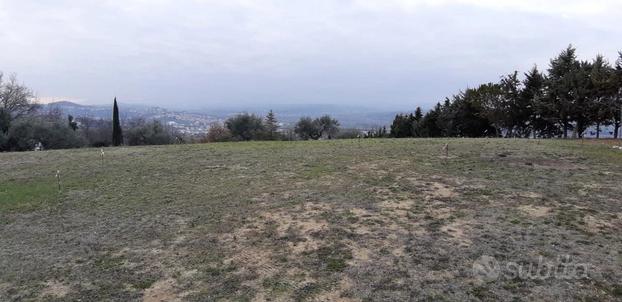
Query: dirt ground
[[347, 220]]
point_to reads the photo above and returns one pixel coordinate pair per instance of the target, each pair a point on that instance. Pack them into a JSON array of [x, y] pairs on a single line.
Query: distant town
[[198, 121]]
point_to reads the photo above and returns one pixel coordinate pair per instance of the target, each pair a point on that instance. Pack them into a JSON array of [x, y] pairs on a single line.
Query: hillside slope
[[370, 220]]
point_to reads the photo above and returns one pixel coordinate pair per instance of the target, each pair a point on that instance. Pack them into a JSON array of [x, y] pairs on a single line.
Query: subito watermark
[[488, 269]]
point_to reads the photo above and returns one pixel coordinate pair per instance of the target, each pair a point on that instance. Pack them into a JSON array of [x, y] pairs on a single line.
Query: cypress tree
[[617, 99], [117, 134]]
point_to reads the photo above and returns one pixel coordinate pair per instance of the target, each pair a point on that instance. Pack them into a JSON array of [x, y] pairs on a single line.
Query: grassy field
[[348, 220]]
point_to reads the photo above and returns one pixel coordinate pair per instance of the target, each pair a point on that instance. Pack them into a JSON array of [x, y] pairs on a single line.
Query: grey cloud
[[200, 53]]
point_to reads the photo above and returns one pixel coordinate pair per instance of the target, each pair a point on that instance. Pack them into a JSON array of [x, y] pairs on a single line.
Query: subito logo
[[486, 268]]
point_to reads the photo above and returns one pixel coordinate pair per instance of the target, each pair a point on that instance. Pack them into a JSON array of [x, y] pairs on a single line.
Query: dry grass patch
[[459, 231], [161, 291], [597, 225], [339, 293], [535, 211], [55, 289]]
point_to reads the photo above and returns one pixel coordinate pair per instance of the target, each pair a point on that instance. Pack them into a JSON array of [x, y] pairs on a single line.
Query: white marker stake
[[102, 156], [58, 179]]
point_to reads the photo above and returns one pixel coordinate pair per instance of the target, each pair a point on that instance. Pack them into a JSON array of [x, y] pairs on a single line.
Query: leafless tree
[[15, 98], [217, 132]]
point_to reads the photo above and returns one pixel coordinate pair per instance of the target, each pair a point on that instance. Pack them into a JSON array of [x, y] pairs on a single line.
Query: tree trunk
[[598, 130], [616, 129], [579, 130], [565, 129]]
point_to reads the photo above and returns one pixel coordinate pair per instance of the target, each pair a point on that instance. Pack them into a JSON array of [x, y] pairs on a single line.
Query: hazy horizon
[[393, 54]]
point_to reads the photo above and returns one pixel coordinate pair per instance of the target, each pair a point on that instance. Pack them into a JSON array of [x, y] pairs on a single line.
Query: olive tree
[[245, 127]]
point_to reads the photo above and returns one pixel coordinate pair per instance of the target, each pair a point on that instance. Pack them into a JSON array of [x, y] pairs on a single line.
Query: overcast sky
[[196, 54]]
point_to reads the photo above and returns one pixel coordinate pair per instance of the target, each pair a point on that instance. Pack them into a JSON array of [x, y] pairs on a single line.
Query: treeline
[[570, 97], [54, 130], [246, 127], [24, 126]]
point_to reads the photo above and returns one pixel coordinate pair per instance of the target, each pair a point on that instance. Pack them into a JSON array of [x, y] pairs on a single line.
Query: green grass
[[27, 195], [370, 220]]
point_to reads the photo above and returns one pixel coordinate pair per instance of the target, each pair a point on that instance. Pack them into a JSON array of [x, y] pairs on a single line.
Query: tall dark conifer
[[416, 125], [117, 133], [617, 98]]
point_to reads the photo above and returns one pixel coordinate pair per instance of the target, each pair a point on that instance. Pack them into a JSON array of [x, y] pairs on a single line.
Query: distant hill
[[105, 112]]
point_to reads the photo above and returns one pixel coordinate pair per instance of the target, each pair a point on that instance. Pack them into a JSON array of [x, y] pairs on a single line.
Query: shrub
[[96, 132], [217, 132], [307, 128], [52, 133], [3, 141], [349, 134], [148, 133], [246, 127]]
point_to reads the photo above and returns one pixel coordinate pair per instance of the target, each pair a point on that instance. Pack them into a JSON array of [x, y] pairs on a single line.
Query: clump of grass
[[616, 290], [570, 218], [144, 283], [108, 262], [307, 291], [276, 285], [333, 257], [483, 293]]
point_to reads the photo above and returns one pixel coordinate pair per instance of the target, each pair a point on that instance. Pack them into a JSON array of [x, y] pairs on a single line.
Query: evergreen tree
[[117, 133], [581, 105], [497, 107], [418, 114], [543, 116], [469, 119], [601, 93], [445, 117], [561, 86], [429, 123], [395, 125], [416, 126], [519, 110], [272, 126], [402, 126]]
